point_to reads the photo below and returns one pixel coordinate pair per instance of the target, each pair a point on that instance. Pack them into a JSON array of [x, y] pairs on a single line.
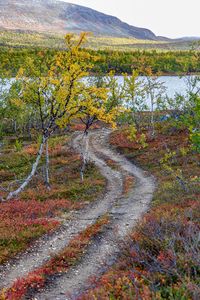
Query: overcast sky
[[171, 18]]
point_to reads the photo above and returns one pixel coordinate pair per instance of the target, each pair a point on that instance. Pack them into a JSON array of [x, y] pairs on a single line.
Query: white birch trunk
[[47, 181], [84, 154], [13, 194], [152, 115]]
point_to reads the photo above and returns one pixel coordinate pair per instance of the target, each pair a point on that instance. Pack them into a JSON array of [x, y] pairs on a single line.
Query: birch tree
[[134, 96], [58, 94], [155, 91]]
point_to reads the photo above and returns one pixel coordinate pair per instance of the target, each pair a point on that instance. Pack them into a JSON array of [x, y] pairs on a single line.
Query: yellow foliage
[[61, 94]]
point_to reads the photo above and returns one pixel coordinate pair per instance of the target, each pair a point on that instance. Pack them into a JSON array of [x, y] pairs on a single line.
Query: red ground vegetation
[[23, 221], [57, 265], [33, 214], [160, 260]]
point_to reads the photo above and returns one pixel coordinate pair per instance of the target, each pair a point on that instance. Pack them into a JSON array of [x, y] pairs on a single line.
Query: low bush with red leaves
[[160, 260], [56, 266], [25, 219]]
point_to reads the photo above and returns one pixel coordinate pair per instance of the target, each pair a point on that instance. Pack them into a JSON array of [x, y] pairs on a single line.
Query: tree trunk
[[152, 124], [84, 154], [32, 173], [152, 117], [47, 181]]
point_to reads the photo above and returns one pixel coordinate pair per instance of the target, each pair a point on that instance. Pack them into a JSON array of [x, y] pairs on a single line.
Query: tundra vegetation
[[166, 62], [160, 259], [21, 39], [40, 174]]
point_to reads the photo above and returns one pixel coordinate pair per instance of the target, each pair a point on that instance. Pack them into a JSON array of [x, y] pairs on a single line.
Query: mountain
[[188, 38], [53, 16]]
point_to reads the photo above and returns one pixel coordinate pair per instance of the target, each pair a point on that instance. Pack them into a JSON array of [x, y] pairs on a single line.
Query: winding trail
[[123, 210]]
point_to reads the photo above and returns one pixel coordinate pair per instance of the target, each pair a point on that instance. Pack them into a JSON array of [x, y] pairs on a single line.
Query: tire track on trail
[[124, 211]]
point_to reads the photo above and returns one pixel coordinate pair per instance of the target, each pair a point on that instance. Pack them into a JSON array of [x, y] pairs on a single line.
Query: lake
[[173, 84]]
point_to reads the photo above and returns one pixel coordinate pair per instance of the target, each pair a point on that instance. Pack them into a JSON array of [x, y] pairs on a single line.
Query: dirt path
[[45, 247], [124, 212]]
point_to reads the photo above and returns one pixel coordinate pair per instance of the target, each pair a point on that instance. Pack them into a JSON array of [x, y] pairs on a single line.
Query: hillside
[[52, 16]]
